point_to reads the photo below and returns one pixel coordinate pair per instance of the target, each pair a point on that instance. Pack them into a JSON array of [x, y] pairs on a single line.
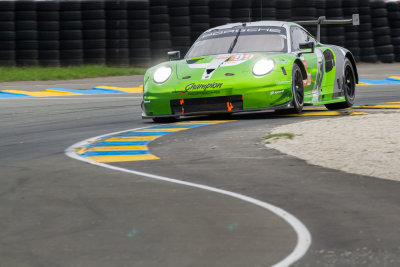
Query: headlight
[[162, 74], [263, 67]]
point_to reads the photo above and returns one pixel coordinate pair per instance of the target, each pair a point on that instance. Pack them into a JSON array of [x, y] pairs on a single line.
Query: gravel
[[366, 145]]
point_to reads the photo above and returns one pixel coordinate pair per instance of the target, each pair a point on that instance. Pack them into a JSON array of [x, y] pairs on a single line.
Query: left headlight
[[162, 74], [263, 67]]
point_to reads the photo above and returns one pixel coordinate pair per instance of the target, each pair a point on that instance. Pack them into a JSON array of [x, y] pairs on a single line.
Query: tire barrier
[[141, 32]]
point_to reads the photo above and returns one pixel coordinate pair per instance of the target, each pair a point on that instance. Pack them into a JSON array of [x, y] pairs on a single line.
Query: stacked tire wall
[[141, 32]]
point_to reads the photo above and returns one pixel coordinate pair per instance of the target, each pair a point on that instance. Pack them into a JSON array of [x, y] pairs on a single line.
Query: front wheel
[[297, 89], [349, 88]]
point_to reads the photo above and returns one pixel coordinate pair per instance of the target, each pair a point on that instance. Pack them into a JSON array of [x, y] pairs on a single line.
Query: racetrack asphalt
[[57, 211]]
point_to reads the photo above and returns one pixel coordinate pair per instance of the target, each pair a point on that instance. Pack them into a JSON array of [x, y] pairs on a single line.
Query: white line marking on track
[[303, 235]]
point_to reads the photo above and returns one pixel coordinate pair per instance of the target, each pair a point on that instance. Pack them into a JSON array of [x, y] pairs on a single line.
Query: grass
[[278, 136], [10, 74]]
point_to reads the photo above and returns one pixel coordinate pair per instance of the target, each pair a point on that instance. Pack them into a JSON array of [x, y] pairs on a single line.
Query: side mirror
[[309, 45], [174, 55]]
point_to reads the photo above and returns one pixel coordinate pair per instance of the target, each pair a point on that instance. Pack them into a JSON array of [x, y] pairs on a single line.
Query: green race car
[[253, 66]]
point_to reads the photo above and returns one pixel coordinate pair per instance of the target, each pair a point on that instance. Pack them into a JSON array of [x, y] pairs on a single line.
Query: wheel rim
[[349, 82], [298, 89]]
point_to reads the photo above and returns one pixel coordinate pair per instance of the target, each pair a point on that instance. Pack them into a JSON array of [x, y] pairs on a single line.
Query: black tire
[[117, 34], [7, 45], [138, 14], [297, 89], [380, 22], [140, 52], [7, 26], [179, 11], [26, 35], [199, 10], [7, 54], [159, 27], [366, 43], [114, 44], [365, 35], [139, 43], [48, 35], [220, 4], [370, 59], [349, 87], [27, 45], [381, 31], [116, 24], [379, 12], [220, 13], [71, 44], [48, 26], [25, 15], [49, 62], [70, 35], [116, 15], [71, 25], [96, 24], [94, 53], [133, 34], [180, 31], [6, 15], [387, 58], [180, 21], [382, 50], [139, 24], [70, 15], [49, 54], [159, 18], [181, 41], [383, 40], [49, 45], [94, 34], [48, 15], [94, 44], [160, 36], [200, 27], [93, 14]]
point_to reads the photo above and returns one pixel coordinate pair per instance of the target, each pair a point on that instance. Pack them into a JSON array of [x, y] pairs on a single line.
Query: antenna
[[249, 15], [261, 8]]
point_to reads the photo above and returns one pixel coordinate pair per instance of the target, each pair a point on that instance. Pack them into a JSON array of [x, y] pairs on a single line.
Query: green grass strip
[[278, 136], [10, 74]]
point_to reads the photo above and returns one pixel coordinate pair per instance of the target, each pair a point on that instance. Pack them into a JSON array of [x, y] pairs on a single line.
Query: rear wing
[[355, 20]]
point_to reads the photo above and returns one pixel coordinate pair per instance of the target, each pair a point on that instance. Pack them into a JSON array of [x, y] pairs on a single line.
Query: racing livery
[[253, 66]]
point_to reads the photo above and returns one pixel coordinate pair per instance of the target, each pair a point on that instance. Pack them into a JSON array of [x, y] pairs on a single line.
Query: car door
[[312, 92]]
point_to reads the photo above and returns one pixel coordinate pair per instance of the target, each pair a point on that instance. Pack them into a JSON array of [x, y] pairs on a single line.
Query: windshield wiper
[[236, 39]]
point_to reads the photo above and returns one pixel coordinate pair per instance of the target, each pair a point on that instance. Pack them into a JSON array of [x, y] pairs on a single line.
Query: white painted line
[[303, 235]]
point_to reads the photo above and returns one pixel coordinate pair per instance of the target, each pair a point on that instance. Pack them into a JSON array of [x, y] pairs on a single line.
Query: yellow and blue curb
[[389, 80], [133, 145], [68, 92], [97, 90]]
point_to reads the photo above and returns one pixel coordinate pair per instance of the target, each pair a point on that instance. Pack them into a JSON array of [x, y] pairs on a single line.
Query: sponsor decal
[[283, 82], [282, 60], [146, 101], [277, 92], [200, 86]]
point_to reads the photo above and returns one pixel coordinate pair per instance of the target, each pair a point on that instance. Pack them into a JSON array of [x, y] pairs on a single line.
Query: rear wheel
[[349, 88]]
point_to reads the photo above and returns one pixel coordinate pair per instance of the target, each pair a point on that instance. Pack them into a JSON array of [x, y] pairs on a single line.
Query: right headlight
[[162, 74], [263, 67]]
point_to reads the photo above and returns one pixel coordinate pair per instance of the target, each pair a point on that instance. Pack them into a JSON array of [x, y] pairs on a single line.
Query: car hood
[[218, 67]]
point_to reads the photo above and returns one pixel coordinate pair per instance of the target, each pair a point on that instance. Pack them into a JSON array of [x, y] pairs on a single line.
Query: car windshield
[[249, 39]]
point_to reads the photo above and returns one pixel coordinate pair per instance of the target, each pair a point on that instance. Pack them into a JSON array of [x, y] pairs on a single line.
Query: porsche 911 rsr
[[253, 66]]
